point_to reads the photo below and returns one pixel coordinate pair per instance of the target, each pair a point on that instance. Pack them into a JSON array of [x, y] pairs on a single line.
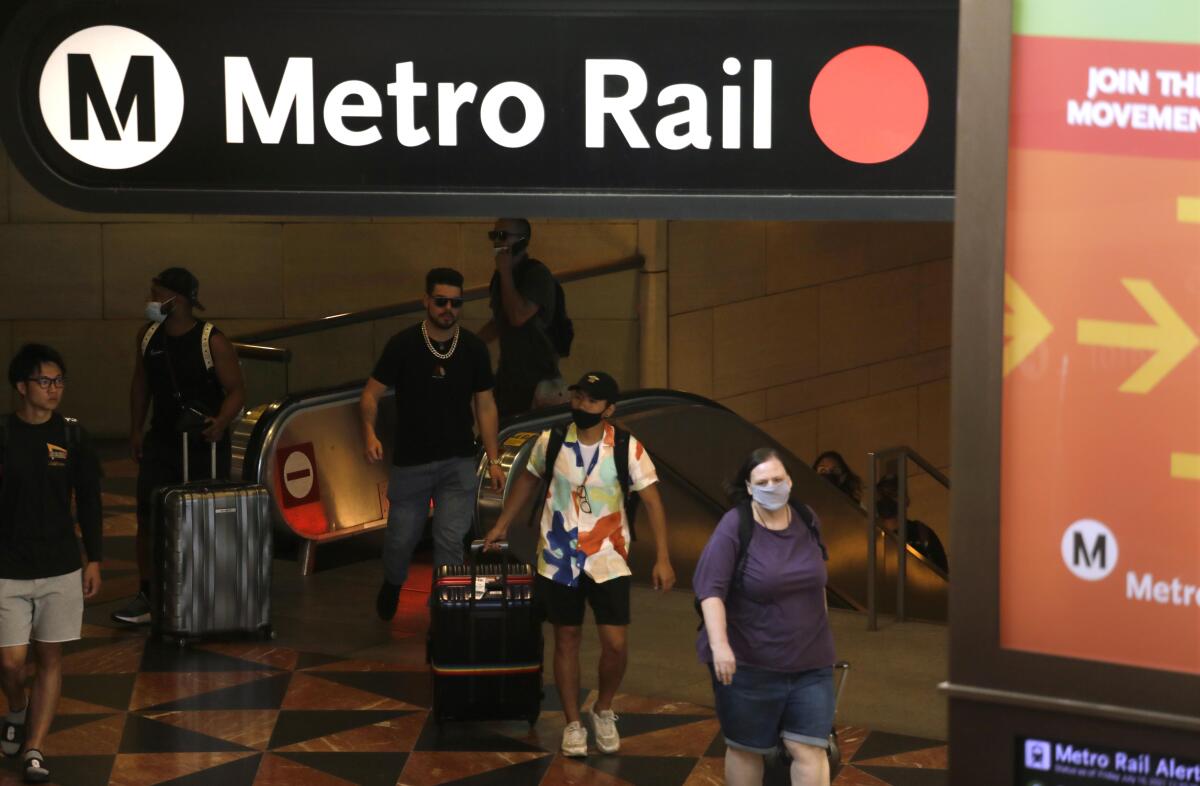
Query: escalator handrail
[[347, 319]]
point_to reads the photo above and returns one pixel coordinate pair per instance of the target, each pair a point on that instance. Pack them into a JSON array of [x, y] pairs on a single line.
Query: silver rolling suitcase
[[212, 558]]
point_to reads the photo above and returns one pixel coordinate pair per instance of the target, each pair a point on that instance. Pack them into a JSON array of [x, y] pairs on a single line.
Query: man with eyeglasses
[[187, 377], [583, 550], [523, 299], [442, 377], [45, 460]]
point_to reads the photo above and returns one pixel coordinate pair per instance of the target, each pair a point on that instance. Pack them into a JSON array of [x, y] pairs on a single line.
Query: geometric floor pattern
[[136, 712]]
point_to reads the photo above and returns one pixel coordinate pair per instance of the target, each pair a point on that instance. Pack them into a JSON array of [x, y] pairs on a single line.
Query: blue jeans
[[760, 706], [451, 484]]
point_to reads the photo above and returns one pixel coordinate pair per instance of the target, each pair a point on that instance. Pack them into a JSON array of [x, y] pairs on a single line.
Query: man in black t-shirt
[[44, 461], [440, 373], [189, 371], [523, 300]]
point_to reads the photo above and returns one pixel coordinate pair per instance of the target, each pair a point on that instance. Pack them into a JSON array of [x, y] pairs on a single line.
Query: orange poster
[[1100, 468]]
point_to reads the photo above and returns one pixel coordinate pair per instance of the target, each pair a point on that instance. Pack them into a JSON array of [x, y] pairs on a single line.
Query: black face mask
[[586, 420]]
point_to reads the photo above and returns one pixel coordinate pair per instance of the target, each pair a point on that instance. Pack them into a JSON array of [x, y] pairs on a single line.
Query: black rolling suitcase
[[485, 639], [212, 558]]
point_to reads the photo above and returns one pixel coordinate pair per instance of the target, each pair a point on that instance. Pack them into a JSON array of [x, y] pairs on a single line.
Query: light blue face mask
[[156, 311], [772, 496]]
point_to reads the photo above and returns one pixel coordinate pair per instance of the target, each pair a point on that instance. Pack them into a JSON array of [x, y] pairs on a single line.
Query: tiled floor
[[331, 702]]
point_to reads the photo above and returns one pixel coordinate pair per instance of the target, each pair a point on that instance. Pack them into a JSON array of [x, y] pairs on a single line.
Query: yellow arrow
[[1169, 337], [1025, 326], [1185, 466], [1187, 210]]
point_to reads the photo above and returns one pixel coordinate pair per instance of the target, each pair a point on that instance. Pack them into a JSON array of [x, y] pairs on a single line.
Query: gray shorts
[[46, 610]]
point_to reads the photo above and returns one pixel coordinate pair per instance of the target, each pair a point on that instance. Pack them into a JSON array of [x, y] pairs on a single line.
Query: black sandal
[[36, 769], [12, 736]]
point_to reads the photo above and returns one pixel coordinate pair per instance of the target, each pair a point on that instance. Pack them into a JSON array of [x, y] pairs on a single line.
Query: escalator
[[307, 450]]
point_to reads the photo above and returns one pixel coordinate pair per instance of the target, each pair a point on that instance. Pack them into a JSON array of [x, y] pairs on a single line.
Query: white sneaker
[[574, 741], [604, 724]]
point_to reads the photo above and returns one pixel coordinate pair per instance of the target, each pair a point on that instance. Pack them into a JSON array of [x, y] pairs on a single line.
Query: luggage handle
[[186, 473], [843, 671], [476, 548]]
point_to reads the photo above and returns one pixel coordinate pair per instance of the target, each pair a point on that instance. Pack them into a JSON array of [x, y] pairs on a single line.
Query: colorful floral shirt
[[574, 541]]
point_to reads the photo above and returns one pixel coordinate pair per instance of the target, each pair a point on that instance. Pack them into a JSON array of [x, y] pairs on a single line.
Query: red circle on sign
[[869, 104]]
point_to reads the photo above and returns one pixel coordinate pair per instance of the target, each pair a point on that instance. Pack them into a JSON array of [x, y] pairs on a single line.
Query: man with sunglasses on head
[[45, 460], [523, 299], [442, 377], [583, 549], [186, 375]]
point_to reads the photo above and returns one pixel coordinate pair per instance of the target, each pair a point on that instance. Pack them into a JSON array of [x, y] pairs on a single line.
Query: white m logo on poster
[[1089, 549], [111, 97]]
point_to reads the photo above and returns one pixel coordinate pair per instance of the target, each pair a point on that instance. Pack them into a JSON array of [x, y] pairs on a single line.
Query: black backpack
[[620, 456], [559, 329], [746, 527]]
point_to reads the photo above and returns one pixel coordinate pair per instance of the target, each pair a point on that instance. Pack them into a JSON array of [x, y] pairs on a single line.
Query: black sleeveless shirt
[[182, 355]]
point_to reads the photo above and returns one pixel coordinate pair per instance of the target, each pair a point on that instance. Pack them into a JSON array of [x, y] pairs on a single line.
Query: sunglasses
[[502, 235], [453, 302], [45, 383]]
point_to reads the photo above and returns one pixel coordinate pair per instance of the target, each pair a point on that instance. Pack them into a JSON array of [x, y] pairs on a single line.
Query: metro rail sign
[[367, 107]]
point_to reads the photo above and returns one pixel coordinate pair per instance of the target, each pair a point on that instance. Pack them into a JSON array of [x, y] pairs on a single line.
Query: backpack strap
[[205, 348], [151, 329], [629, 497], [553, 447], [746, 527]]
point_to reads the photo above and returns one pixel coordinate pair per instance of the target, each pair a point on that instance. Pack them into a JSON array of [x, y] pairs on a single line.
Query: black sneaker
[[36, 769], [387, 600], [12, 735], [136, 612]]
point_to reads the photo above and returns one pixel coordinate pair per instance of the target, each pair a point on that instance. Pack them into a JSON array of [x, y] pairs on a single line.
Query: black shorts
[[563, 605]]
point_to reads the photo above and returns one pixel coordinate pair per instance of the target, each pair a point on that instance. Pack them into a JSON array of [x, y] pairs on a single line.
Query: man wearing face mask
[[583, 549], [523, 300], [186, 374]]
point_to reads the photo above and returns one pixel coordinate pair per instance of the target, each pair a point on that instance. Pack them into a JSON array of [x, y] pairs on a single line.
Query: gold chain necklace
[[429, 344]]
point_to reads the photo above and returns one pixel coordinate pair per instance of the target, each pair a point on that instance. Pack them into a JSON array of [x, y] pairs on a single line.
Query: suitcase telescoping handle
[[842, 668], [186, 474], [476, 548]]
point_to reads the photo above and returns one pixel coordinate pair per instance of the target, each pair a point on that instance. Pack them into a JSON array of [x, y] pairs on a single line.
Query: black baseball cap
[[181, 281], [598, 385]]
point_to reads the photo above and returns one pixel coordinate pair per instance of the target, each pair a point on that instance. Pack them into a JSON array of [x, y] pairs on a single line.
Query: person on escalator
[[442, 377], [186, 375], [529, 319], [760, 588], [831, 466], [920, 535], [583, 548]]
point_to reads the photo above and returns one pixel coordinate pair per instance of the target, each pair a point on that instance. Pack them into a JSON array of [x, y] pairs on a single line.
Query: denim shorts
[[761, 706]]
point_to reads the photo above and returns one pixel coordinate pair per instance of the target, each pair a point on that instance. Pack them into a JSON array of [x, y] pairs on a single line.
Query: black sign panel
[[1046, 762], [151, 105]]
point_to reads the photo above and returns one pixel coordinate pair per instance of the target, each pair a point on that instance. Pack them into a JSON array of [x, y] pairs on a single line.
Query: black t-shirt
[[183, 356], [37, 476], [526, 354], [434, 419]]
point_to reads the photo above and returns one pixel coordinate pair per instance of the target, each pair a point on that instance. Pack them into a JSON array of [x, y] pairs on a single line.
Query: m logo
[[1089, 549], [111, 97], [1037, 755]]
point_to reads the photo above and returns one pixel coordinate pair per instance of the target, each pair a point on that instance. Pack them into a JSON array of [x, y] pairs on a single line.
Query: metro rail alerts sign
[[370, 106], [1100, 466]]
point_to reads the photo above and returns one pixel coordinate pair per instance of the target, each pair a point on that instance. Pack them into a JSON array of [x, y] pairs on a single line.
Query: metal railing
[[335, 321], [260, 352], [901, 455]]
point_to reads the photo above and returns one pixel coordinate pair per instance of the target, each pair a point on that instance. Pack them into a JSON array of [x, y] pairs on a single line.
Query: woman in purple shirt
[[766, 633]]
